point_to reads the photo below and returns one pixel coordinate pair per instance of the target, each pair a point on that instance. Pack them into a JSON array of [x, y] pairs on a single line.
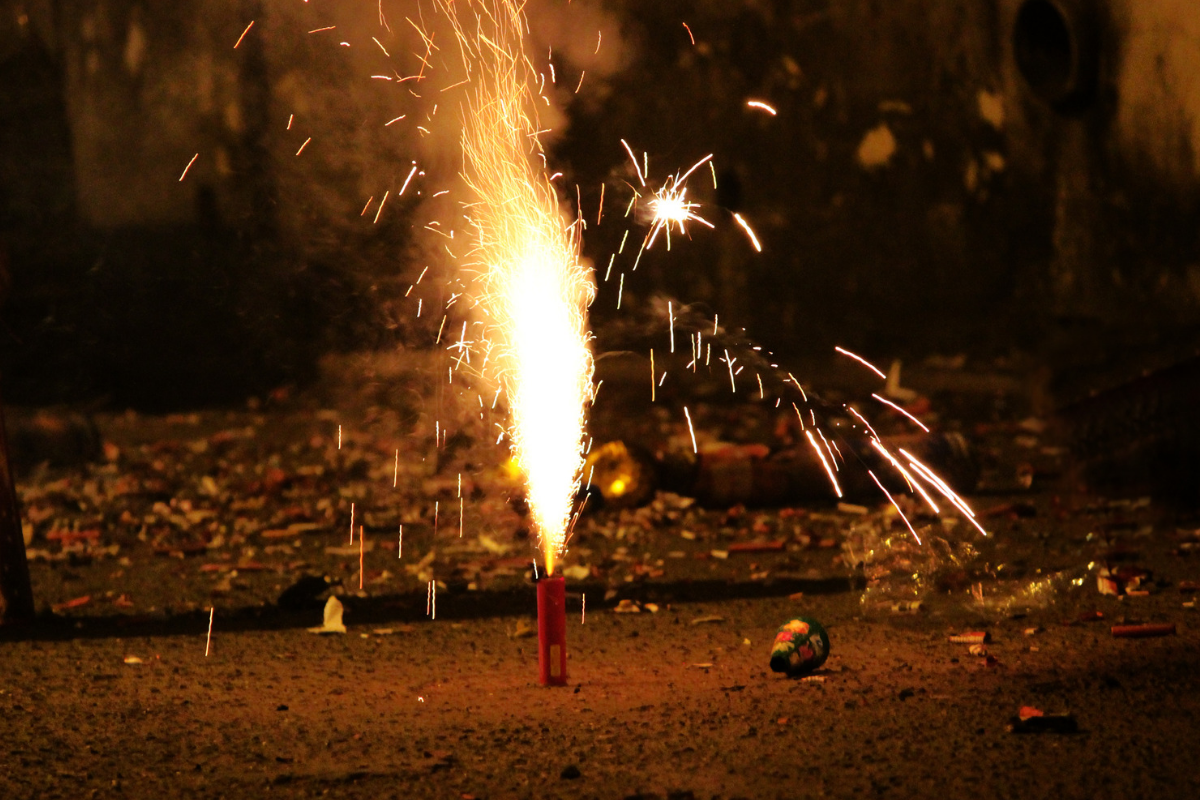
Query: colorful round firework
[[801, 646]]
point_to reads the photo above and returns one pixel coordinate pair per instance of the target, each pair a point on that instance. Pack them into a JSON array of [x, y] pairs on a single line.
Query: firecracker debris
[[246, 515]]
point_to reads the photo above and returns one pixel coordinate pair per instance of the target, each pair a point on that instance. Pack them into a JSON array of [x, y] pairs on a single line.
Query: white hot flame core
[[532, 291]]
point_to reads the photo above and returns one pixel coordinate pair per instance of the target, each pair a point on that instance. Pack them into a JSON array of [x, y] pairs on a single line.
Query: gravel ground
[[112, 693]]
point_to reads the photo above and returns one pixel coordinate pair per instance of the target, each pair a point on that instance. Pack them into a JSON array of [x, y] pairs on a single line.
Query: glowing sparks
[[944, 488], [862, 361], [531, 288], [913, 483], [892, 500], [208, 642], [636, 166], [189, 166], [380, 210], [890, 404], [821, 455], [243, 36], [863, 420], [749, 232], [670, 205], [759, 104], [691, 430]]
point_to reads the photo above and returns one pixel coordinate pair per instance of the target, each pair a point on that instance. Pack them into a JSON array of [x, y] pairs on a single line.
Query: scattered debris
[[1033, 720], [627, 607], [333, 618], [707, 619], [69, 604], [133, 660], [971, 637], [525, 629], [1122, 580], [1143, 631]]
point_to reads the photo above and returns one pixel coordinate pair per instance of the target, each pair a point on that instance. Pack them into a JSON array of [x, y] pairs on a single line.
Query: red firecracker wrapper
[[1142, 631], [552, 631]]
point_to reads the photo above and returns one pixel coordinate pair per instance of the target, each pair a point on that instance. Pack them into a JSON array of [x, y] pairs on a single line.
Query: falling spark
[[761, 105], [863, 420], [653, 375], [352, 523], [381, 47], [290, 118], [400, 544], [189, 166], [892, 500], [749, 232], [370, 200], [411, 172], [396, 470], [362, 549], [243, 36], [208, 642], [583, 610], [381, 202], [944, 488], [911, 480], [799, 416], [306, 141], [691, 430], [887, 402], [729, 362], [671, 317], [637, 167], [339, 437], [689, 33], [821, 455], [862, 361], [397, 119]]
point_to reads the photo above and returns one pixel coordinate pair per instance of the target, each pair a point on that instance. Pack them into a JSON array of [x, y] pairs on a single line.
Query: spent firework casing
[[1142, 631]]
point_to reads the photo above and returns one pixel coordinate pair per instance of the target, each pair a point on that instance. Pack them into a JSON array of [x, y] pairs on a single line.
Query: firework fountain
[[528, 285]]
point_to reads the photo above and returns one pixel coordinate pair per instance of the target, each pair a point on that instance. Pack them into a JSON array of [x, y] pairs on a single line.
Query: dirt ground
[[672, 609]]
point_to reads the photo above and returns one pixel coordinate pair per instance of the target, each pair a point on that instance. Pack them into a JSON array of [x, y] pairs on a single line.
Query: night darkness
[[888, 484]]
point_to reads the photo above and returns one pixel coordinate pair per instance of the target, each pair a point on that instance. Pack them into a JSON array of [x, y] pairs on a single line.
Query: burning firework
[[531, 289]]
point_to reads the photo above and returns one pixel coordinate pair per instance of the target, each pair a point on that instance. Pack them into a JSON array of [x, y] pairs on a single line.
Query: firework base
[[552, 631]]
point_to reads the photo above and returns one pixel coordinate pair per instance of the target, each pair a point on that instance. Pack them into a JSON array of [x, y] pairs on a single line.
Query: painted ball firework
[[801, 646]]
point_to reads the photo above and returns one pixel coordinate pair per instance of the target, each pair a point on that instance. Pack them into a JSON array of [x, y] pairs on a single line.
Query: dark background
[[1039, 196]]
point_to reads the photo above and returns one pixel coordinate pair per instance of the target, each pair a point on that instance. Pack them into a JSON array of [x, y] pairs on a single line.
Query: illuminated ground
[[677, 702]]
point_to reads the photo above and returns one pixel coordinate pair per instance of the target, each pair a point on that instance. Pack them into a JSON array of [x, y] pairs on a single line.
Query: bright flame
[[531, 288]]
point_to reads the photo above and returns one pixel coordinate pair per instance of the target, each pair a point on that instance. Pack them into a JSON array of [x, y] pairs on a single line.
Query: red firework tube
[[552, 631], [1142, 631]]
